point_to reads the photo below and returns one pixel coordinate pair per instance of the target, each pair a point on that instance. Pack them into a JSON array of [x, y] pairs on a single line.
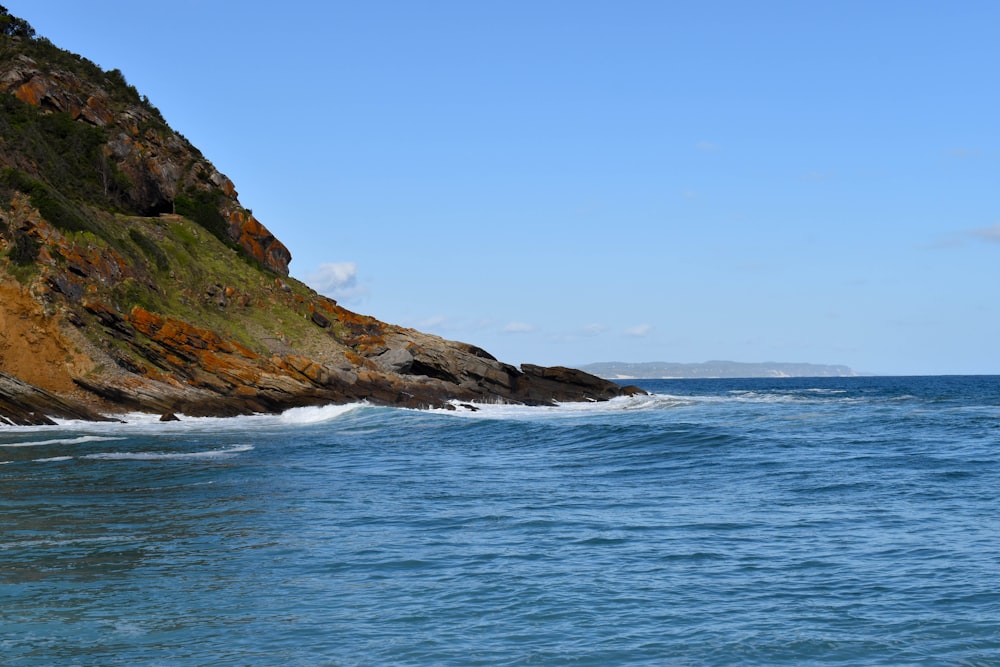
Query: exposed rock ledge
[[149, 362], [22, 404]]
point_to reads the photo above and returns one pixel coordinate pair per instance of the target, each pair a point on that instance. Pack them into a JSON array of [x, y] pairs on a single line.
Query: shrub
[[23, 250], [12, 25], [65, 153], [202, 206], [52, 205]]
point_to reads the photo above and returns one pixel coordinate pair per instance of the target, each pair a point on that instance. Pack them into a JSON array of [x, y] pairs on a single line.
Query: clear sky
[[564, 182]]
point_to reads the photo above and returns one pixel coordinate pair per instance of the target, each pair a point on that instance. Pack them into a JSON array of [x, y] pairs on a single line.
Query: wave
[[143, 423], [294, 416], [133, 423], [813, 396], [516, 411], [158, 456], [61, 441], [146, 423], [317, 414]]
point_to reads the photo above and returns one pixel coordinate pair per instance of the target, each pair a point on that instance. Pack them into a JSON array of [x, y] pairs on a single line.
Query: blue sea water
[[839, 521]]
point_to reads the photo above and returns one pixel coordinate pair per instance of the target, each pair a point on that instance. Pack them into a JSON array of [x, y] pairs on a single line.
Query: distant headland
[[618, 370]]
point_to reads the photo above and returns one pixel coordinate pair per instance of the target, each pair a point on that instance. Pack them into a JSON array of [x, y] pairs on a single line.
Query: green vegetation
[[50, 57], [63, 153], [150, 248], [63, 164], [69, 156], [202, 206], [187, 271], [51, 203], [23, 249], [11, 25], [102, 187]]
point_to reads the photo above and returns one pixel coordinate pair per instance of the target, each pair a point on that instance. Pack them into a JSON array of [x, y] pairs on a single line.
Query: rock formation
[[131, 278]]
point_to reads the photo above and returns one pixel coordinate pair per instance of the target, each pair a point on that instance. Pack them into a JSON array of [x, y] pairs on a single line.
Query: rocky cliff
[[131, 277]]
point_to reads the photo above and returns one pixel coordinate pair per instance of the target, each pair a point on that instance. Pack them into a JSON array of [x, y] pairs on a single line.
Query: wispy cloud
[[518, 327], [707, 146], [593, 329], [962, 153], [991, 234], [338, 280], [443, 325], [961, 238], [432, 323], [639, 331]]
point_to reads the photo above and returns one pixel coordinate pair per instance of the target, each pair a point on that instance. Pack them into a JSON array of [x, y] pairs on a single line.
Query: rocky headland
[[132, 279]]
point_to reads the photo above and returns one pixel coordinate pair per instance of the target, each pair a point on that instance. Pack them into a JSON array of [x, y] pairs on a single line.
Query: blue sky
[[571, 182]]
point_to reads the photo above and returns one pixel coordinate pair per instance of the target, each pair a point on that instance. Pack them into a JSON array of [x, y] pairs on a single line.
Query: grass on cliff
[[186, 273]]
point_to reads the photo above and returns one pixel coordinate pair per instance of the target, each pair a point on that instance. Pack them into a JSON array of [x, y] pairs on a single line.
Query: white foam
[[145, 422], [805, 396], [317, 414], [158, 456], [513, 411], [53, 459], [61, 441]]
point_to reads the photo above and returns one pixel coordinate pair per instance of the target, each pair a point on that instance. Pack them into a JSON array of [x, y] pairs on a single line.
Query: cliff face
[[131, 278], [143, 166]]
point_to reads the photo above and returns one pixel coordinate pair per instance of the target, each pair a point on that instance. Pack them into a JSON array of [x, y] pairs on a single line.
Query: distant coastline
[[617, 370]]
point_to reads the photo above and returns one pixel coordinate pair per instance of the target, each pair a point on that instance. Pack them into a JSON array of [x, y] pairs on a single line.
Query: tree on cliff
[[14, 26]]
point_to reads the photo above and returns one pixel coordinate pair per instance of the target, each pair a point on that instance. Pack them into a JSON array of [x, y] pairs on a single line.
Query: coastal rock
[[559, 383], [22, 404], [131, 278]]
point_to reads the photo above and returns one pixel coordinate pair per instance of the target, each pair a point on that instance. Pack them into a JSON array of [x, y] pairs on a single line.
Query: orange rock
[[30, 92]]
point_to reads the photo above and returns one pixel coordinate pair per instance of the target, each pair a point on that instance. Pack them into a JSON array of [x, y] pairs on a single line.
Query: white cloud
[[594, 329], [338, 280], [639, 331], [706, 146], [518, 327]]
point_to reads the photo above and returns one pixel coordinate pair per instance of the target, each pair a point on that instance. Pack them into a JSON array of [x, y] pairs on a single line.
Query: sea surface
[[834, 521]]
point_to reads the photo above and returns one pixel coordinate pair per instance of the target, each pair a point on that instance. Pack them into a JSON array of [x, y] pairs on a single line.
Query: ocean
[[821, 521]]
